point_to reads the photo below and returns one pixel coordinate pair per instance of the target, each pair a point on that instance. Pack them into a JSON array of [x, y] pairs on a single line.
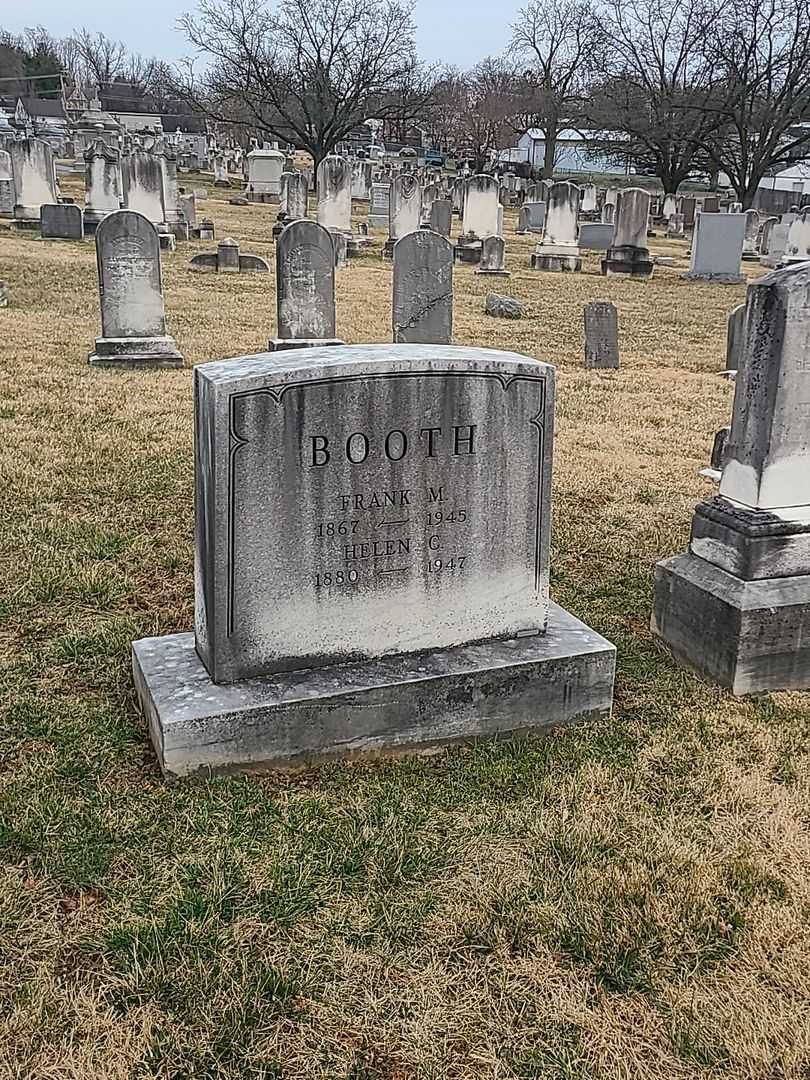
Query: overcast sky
[[457, 32]]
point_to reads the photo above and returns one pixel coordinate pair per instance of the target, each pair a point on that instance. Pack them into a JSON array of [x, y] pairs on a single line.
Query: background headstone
[[423, 289], [601, 335]]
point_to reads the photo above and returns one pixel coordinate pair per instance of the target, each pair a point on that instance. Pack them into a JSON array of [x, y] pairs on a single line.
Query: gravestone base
[[749, 636], [628, 261], [468, 252], [384, 706], [378, 221], [555, 263], [280, 344], [494, 273], [715, 279], [92, 220], [263, 197], [151, 352]]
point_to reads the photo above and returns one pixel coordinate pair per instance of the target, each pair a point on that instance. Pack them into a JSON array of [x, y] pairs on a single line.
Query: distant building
[[574, 153]]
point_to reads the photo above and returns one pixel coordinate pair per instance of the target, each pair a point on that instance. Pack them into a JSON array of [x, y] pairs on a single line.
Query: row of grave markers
[[133, 314]]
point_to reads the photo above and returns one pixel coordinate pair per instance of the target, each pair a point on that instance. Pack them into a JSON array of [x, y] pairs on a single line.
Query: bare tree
[[655, 97], [99, 60], [307, 71], [761, 52], [560, 39]]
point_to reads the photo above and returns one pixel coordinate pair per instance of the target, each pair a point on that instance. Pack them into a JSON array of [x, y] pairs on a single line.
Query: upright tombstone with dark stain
[[423, 289], [629, 254], [372, 562], [601, 335], [736, 606], [305, 287], [133, 321]]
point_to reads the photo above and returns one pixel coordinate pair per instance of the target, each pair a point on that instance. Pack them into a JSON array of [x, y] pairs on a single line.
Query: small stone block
[[281, 344]]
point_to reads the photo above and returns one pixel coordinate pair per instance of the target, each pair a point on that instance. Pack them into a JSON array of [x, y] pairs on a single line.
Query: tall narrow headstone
[[102, 183], [7, 197], [371, 564], [736, 606], [34, 173], [294, 195], [379, 208], [405, 209], [629, 253], [441, 216], [735, 337], [480, 216], [750, 246], [558, 250], [133, 321], [797, 248], [601, 335], [335, 194], [361, 180], [305, 286], [143, 184], [423, 289]]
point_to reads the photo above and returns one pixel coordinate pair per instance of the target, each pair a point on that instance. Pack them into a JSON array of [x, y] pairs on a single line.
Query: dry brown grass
[[627, 900]]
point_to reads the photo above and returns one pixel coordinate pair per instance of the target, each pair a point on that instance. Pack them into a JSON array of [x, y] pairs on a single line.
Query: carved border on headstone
[[236, 442]]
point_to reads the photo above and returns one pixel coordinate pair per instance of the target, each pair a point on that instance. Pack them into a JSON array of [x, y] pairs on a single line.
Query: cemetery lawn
[[627, 899]]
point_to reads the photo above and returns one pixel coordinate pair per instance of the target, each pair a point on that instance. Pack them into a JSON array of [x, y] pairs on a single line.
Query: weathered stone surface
[[305, 281], [735, 337], [749, 636], [777, 243], [717, 248], [768, 466], [102, 182], [480, 217], [558, 250], [294, 195], [133, 323], [596, 236], [4, 294], [601, 335], [143, 184], [295, 448], [379, 208], [628, 254], [441, 216], [61, 221], [737, 606], [7, 196], [335, 194], [797, 248], [423, 289], [391, 705], [493, 257], [503, 307], [405, 209], [264, 169], [34, 174]]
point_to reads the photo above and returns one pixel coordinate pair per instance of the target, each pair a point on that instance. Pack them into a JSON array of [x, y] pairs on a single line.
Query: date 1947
[[437, 566]]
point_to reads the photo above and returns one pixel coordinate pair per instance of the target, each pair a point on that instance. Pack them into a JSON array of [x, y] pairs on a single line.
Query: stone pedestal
[[557, 259], [388, 705], [745, 635], [630, 261], [146, 352]]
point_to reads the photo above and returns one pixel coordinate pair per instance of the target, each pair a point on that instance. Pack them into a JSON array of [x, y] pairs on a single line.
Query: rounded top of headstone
[[268, 153], [228, 241]]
